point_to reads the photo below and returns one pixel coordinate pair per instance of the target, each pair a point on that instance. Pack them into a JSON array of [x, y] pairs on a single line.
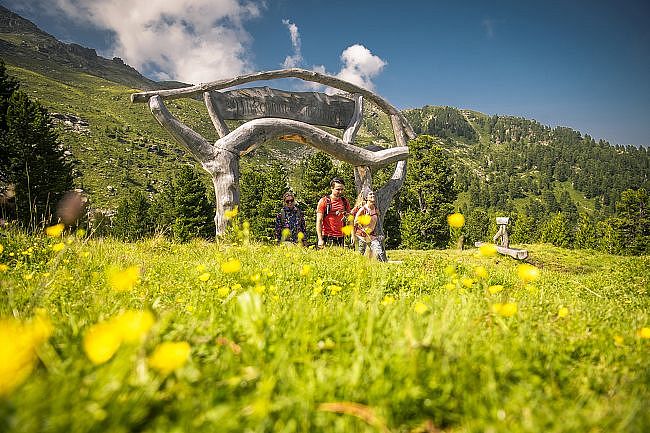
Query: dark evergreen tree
[[31, 158], [194, 216], [427, 196], [132, 221], [261, 190]]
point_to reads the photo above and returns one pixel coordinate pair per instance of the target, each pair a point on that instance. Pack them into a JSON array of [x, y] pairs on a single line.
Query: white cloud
[[187, 40], [294, 60], [360, 66]]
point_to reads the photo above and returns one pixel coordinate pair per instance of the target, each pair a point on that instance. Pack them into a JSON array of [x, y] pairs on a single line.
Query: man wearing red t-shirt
[[330, 215]]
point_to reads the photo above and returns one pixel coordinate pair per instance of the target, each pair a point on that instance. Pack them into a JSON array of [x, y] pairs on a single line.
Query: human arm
[[319, 228]]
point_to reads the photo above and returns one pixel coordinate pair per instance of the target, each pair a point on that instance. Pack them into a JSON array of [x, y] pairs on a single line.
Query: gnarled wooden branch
[[216, 117], [302, 74], [255, 132], [355, 123]]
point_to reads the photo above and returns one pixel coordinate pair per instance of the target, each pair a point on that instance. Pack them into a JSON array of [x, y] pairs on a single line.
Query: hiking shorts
[[334, 241]]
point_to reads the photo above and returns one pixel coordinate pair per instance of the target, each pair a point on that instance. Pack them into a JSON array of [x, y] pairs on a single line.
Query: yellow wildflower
[[364, 219], [420, 308], [28, 277], [495, 289], [467, 282], [643, 332], [223, 291], [346, 230], [286, 234], [487, 250], [618, 340], [231, 266], [456, 220], [169, 356], [3, 267], [55, 230], [305, 270], [450, 270], [134, 325], [527, 273], [563, 312], [334, 289], [101, 341], [124, 280], [58, 247], [450, 286], [236, 287], [2, 248], [508, 309], [481, 272], [388, 300], [204, 276], [200, 268], [255, 278], [18, 344], [80, 233], [301, 236], [230, 214]]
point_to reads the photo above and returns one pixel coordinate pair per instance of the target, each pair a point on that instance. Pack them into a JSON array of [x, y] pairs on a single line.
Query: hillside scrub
[[101, 335]]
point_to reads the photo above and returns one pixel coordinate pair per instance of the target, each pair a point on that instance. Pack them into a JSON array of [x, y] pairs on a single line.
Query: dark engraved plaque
[[309, 107]]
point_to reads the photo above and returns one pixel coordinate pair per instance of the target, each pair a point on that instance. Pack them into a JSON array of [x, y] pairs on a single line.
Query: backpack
[[328, 206]]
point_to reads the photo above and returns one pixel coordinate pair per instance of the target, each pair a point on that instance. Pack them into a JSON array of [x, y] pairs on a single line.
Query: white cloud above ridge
[[294, 60], [192, 41]]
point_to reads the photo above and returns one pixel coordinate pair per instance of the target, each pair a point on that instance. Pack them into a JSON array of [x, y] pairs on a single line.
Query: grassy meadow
[[155, 336]]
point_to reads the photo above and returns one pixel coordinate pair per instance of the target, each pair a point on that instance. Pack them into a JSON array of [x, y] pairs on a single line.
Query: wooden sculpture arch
[[273, 120]]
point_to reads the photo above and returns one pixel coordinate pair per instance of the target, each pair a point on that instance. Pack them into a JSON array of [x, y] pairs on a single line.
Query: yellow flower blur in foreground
[[481, 272], [58, 247], [420, 308], [364, 220], [527, 273], [134, 325], [508, 309], [305, 270], [456, 220], [2, 248], [169, 356], [231, 266], [125, 280], [230, 214], [643, 332], [495, 289], [562, 312], [204, 276], [3, 267], [488, 250], [619, 340], [18, 344], [55, 230], [103, 339], [346, 230], [388, 300]]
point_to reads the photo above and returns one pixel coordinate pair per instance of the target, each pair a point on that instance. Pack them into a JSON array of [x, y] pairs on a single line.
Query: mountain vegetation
[[556, 184]]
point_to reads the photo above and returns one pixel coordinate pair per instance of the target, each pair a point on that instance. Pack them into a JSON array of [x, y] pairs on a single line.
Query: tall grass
[[303, 340]]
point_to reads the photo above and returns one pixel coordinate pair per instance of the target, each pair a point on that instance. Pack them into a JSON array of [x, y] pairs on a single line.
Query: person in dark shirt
[[290, 222]]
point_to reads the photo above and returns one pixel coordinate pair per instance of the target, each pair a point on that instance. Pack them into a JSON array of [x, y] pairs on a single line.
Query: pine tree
[[32, 159], [261, 190], [427, 196], [193, 213], [132, 221]]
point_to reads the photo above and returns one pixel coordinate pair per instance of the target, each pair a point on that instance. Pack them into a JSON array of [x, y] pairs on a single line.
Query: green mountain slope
[[499, 161]]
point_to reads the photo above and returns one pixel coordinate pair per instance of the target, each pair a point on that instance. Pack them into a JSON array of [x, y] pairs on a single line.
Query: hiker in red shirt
[[331, 213]]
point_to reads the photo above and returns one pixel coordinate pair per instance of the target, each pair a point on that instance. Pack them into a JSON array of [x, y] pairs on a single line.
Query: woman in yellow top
[[365, 223]]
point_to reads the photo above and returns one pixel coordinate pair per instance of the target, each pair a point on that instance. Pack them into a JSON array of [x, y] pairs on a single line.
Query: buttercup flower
[[55, 230], [125, 280], [231, 266], [204, 276], [495, 289], [481, 272], [508, 309], [420, 308], [643, 332], [230, 214], [488, 250], [346, 230], [305, 270], [563, 312], [456, 220], [388, 300], [364, 219], [134, 325], [169, 356], [527, 273], [101, 341]]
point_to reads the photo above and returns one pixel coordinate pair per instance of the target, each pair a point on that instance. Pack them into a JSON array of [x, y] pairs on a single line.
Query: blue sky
[[582, 64]]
